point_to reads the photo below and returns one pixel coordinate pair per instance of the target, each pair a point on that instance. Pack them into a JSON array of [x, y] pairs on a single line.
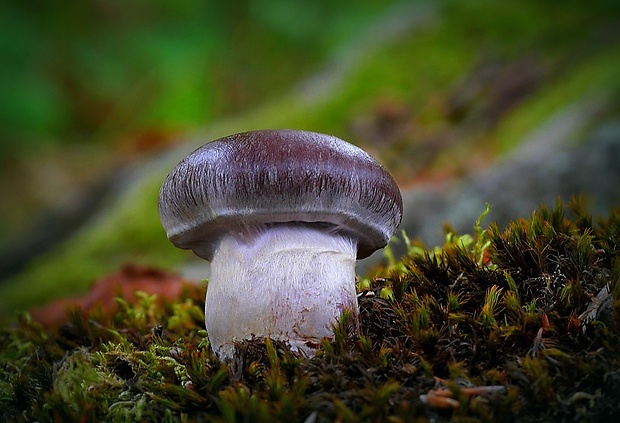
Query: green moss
[[488, 310]]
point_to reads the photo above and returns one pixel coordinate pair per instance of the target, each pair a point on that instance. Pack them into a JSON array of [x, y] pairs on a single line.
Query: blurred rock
[[550, 163]]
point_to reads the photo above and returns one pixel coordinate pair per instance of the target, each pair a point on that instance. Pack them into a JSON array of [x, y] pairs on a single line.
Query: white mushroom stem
[[286, 282]]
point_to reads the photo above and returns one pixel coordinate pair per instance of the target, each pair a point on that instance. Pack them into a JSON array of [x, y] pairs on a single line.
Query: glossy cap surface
[[248, 181]]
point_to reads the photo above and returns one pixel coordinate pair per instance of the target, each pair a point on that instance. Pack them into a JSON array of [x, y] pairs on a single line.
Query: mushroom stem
[[288, 282]]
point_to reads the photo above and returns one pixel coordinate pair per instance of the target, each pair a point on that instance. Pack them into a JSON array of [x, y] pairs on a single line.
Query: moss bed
[[514, 324]]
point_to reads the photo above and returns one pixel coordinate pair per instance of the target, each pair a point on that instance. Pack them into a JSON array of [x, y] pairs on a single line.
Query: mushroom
[[282, 216]]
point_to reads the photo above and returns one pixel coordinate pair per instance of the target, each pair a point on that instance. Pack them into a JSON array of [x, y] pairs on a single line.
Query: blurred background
[[510, 103]]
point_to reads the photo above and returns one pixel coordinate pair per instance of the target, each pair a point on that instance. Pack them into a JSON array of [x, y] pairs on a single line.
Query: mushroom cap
[[248, 181]]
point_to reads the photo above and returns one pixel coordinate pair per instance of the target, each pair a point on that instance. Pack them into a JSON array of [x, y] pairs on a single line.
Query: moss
[[502, 325]]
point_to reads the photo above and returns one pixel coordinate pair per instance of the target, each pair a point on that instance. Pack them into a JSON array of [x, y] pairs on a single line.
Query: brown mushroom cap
[[255, 179]]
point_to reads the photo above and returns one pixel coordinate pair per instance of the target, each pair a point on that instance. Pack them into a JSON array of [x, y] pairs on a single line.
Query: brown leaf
[[125, 283]]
